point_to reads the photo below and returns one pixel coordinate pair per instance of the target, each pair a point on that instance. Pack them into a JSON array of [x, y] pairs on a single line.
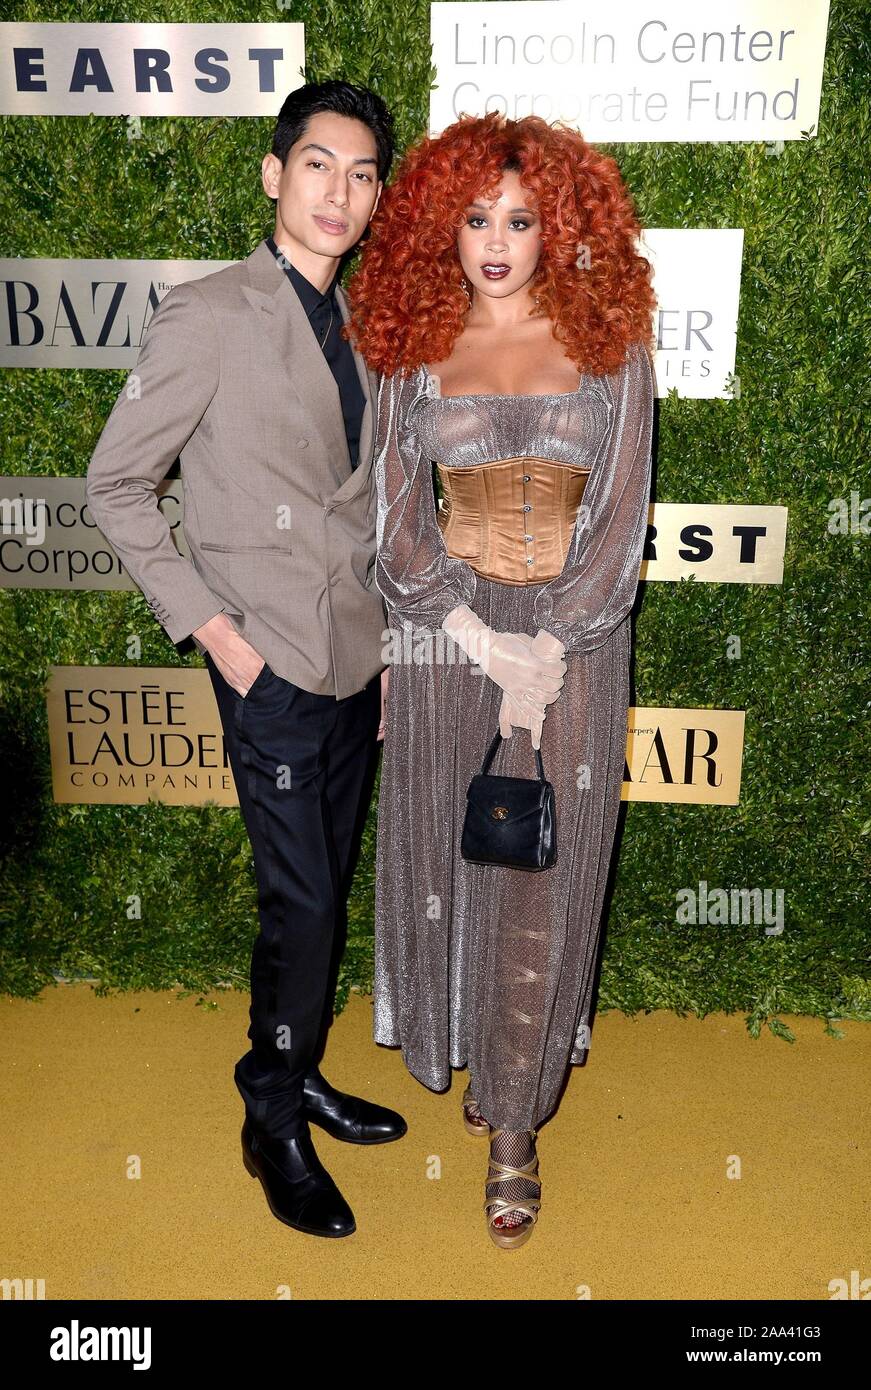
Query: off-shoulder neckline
[[502, 395]]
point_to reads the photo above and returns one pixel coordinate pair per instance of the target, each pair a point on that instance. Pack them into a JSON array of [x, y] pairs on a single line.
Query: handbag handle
[[491, 753]]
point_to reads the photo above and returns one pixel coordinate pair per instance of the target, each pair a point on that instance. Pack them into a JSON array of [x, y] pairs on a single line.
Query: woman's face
[[499, 243]]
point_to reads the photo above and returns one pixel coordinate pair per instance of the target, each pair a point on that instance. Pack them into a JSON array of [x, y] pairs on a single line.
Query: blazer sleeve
[[595, 590], [420, 582], [158, 409]]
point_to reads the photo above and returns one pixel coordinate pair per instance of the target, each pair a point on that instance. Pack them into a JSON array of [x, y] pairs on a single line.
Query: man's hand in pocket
[[236, 659]]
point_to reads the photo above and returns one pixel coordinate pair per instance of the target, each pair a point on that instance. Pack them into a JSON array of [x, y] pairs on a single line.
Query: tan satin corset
[[511, 520]]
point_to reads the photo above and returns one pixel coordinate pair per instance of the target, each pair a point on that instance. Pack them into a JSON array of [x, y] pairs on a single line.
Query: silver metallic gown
[[481, 965]]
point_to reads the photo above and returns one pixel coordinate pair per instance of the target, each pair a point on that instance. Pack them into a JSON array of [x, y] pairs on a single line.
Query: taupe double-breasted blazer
[[230, 378]]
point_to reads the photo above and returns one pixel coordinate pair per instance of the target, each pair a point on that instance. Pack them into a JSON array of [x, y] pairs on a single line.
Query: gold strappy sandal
[[473, 1120], [510, 1237]]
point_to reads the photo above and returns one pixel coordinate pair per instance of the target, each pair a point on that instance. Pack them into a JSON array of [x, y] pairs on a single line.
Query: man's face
[[328, 188]]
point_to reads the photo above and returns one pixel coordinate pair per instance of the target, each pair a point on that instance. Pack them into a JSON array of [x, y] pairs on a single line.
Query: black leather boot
[[348, 1117], [298, 1188]]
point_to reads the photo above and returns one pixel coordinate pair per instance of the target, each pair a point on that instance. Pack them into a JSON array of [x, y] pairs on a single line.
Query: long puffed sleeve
[[595, 590], [420, 582]]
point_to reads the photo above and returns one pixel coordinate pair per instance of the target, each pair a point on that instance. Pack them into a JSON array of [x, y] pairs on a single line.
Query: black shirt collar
[[311, 298]]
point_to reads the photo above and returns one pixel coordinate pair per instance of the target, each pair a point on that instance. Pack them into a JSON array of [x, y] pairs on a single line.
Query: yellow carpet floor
[[686, 1160]]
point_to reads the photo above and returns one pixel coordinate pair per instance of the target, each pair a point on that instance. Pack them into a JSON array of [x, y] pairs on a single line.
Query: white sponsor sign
[[636, 70], [56, 313], [697, 283], [149, 69]]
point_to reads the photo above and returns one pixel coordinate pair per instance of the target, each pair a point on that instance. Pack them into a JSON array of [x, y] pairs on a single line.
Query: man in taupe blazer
[[244, 375]]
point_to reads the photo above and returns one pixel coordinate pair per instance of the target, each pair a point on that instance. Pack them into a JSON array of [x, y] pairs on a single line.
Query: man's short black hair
[[346, 100]]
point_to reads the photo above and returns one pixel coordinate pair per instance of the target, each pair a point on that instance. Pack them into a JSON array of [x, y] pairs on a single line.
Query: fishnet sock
[[516, 1148], [474, 1111]]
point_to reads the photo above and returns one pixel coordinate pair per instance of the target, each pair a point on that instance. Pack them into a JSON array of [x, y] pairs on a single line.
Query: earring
[[464, 285]]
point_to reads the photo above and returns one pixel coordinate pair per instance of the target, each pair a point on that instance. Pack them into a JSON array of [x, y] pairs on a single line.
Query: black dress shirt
[[338, 353]]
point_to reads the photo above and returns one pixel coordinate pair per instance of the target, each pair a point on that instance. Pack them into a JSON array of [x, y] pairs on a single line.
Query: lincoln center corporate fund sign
[[749, 70]]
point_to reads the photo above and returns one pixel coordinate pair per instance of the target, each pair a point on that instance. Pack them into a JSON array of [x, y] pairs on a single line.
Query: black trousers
[[304, 767]]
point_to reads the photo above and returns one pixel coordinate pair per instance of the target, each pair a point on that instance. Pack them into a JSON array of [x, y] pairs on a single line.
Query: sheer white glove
[[513, 715], [545, 644], [508, 658]]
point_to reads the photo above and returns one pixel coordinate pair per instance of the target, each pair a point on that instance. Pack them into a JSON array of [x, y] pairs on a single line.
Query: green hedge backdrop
[[796, 436]]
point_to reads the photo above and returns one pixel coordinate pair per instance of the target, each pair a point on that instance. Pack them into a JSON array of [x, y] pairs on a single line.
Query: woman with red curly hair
[[502, 298]]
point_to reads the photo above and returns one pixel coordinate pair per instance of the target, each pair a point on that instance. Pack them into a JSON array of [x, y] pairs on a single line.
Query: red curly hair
[[407, 301]]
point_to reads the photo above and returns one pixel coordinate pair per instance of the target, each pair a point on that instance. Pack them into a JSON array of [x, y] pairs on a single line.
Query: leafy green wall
[[797, 436]]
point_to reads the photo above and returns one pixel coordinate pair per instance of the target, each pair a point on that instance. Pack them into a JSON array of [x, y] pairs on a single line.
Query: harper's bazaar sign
[[749, 70], [149, 69], [686, 755], [89, 313], [132, 734], [94, 313]]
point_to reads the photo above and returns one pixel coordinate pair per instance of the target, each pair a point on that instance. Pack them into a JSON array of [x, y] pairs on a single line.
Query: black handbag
[[509, 820]]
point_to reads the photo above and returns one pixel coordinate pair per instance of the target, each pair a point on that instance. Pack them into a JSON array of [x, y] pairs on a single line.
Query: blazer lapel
[[294, 350], [369, 384]]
